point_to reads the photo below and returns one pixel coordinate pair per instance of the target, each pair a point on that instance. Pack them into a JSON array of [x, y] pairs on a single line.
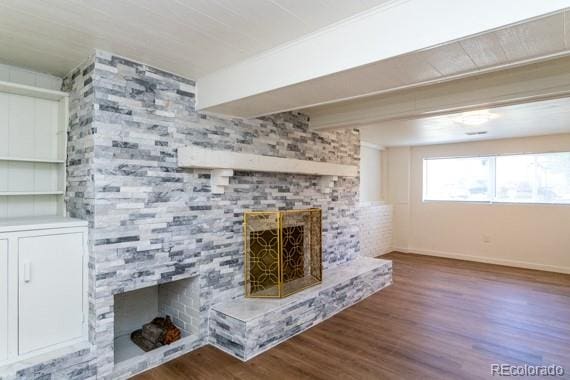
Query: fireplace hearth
[[283, 252]]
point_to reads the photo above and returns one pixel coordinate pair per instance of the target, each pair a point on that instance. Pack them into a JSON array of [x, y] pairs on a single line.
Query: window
[[523, 178], [457, 179], [534, 178]]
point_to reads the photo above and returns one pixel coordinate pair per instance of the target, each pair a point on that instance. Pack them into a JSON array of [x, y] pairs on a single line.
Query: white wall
[[398, 179], [375, 214], [370, 173], [526, 235]]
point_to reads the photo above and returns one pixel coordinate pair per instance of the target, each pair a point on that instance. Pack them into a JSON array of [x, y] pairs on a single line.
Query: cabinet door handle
[[27, 271]]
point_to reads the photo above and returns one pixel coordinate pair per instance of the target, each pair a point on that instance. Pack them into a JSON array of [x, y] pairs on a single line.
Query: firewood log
[[153, 333]]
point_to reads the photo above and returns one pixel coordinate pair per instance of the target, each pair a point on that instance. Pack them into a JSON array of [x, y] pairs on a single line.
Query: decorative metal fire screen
[[283, 252]]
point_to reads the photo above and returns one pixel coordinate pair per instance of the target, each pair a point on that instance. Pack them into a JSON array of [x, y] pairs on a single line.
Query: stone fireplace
[[156, 226], [283, 252]]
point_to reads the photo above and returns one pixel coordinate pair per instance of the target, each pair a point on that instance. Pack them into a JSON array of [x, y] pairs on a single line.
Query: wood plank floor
[[442, 319]]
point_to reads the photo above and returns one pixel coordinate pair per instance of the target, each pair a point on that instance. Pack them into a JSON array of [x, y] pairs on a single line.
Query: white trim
[[21, 193], [486, 260], [32, 91], [40, 160], [492, 181], [197, 157], [222, 164], [373, 203], [389, 250], [371, 145]]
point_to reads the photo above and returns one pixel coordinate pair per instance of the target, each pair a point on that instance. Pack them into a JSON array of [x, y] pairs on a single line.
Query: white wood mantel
[[223, 163]]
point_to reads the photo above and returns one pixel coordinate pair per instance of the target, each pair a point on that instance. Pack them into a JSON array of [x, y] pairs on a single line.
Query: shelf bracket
[[327, 183], [220, 179]]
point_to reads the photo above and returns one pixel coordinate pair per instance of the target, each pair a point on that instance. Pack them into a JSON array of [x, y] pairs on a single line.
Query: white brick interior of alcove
[[375, 228], [177, 299]]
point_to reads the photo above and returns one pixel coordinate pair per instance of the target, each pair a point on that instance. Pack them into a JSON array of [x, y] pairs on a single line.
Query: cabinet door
[[50, 290], [3, 299]]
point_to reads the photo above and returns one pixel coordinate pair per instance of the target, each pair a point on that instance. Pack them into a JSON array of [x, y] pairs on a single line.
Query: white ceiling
[[187, 37], [531, 119]]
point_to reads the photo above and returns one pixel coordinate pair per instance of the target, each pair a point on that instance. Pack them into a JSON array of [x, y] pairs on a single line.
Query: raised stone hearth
[[246, 327]]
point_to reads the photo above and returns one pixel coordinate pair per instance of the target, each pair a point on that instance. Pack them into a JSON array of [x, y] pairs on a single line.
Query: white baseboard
[[388, 251], [487, 260]]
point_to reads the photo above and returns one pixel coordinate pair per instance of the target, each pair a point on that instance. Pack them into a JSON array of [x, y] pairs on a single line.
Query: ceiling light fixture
[[475, 117], [476, 133]]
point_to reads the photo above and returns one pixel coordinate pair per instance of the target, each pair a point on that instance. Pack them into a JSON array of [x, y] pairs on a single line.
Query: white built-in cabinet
[[43, 254], [33, 127], [3, 299], [43, 272]]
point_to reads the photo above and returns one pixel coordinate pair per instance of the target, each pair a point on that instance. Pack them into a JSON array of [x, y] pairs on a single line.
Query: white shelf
[[223, 163], [38, 160], [39, 222], [196, 157], [35, 92], [33, 148], [9, 193]]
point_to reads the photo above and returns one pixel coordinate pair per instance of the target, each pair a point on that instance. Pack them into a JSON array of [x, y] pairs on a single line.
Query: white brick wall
[[375, 229], [178, 299], [181, 300]]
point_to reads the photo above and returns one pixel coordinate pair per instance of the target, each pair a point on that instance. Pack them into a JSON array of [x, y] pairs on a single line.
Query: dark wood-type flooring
[[442, 319]]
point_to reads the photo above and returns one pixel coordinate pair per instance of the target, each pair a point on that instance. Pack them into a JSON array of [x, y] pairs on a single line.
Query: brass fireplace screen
[[283, 253]]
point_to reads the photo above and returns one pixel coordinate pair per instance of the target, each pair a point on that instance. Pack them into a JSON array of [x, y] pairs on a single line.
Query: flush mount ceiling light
[[474, 117], [476, 133]]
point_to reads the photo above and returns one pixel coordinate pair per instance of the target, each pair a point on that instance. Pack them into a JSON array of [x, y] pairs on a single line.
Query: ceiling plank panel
[[415, 68], [187, 37], [311, 11], [535, 38], [567, 29], [485, 50], [57, 37], [13, 52], [449, 59], [265, 19]]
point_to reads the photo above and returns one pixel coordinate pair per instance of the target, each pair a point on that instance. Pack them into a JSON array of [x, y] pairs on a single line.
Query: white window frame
[[492, 191]]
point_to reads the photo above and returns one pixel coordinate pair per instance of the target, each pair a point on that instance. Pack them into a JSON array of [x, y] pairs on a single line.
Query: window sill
[[496, 202]]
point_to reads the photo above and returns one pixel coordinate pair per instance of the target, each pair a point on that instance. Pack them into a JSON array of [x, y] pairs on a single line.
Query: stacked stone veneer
[[151, 222], [247, 327], [375, 228]]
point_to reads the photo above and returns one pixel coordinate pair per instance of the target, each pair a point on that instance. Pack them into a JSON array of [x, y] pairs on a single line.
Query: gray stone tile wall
[[152, 222]]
